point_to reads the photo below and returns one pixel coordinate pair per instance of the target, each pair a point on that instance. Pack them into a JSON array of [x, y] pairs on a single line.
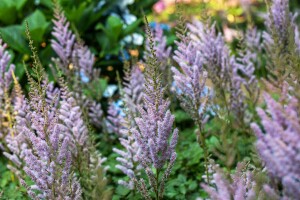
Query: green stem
[[157, 184], [202, 144]]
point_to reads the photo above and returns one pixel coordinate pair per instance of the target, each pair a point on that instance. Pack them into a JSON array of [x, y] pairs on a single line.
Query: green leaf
[[14, 37], [37, 25], [20, 70], [47, 3], [131, 28], [181, 116], [8, 10], [114, 27], [19, 4], [197, 154]]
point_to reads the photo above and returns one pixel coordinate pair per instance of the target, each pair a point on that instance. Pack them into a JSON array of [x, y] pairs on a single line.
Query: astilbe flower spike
[[72, 53], [87, 161], [132, 95], [76, 61], [253, 45], [162, 52], [16, 141], [279, 21], [280, 43], [278, 143], [6, 70], [115, 119], [191, 80], [154, 130], [223, 69], [133, 88], [244, 68], [48, 160], [241, 187]]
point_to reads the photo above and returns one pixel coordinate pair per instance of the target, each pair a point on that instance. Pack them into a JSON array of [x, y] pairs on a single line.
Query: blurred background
[[112, 28]]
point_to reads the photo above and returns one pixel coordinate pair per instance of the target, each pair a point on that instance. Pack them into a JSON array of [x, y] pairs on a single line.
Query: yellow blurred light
[[110, 68], [43, 44], [230, 18], [134, 52], [26, 57], [71, 66], [141, 66]]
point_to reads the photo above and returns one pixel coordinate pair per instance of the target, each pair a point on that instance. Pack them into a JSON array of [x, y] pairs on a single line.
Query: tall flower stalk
[[76, 62], [278, 143], [87, 160], [47, 151], [191, 80], [154, 133], [132, 95], [6, 71]]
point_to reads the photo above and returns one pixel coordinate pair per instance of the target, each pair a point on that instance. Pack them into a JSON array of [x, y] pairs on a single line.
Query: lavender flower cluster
[[52, 151], [75, 60], [278, 143]]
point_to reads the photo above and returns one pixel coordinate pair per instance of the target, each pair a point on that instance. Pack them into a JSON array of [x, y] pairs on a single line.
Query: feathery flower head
[[163, 52], [191, 78], [154, 133], [5, 68], [115, 118], [241, 186], [73, 54], [278, 143]]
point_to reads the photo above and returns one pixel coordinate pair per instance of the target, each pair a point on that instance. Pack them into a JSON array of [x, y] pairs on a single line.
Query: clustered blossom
[[75, 59], [154, 132], [133, 89], [72, 54], [223, 69], [244, 67], [242, 186], [281, 40], [6, 70], [279, 20], [132, 97], [163, 52], [73, 125], [48, 152], [254, 48], [95, 113], [115, 119], [16, 141], [214, 52], [191, 79], [128, 161], [86, 158], [278, 143]]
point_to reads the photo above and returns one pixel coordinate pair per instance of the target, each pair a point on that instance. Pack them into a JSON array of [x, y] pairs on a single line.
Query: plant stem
[[157, 184], [202, 144]]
